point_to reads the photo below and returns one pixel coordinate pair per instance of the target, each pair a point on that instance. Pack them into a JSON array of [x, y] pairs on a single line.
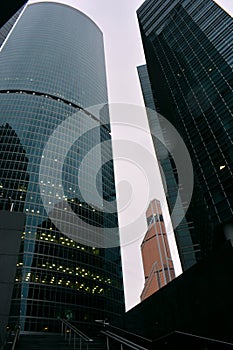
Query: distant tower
[[156, 255]]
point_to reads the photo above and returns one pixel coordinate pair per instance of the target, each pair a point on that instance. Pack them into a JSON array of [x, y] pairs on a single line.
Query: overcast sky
[[117, 20]]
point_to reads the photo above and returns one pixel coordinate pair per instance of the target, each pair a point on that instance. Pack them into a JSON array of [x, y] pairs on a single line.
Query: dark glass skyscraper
[[13, 177], [6, 28], [188, 48], [188, 242], [10, 8], [51, 67]]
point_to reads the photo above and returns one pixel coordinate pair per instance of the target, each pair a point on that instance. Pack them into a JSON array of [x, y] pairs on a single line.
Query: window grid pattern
[[187, 45], [188, 250], [48, 258], [210, 85], [6, 28], [56, 276], [62, 68]]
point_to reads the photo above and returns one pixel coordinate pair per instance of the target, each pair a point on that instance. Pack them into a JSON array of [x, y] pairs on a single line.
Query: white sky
[[117, 20]]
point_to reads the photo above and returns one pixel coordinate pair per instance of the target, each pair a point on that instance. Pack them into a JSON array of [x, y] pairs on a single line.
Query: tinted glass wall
[[5, 29], [188, 242], [52, 66], [190, 67]]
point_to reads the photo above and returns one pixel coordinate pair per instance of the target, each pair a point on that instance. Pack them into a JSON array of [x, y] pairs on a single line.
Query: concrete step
[[57, 342], [43, 342]]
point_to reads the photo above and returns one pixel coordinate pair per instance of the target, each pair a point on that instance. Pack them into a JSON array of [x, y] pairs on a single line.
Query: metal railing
[[11, 339], [122, 341], [139, 337], [16, 337], [80, 339]]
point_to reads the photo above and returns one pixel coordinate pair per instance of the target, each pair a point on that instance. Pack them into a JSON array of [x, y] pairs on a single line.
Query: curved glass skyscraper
[[52, 67]]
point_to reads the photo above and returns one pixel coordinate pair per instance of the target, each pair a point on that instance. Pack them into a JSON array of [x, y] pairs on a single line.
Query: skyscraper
[[156, 255], [5, 29], [188, 241], [52, 67], [188, 48], [10, 8]]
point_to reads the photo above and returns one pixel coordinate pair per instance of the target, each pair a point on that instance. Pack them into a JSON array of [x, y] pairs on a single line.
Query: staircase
[[57, 342], [43, 342], [99, 343]]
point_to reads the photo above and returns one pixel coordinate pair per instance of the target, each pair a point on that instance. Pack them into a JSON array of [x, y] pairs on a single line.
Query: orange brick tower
[[156, 255]]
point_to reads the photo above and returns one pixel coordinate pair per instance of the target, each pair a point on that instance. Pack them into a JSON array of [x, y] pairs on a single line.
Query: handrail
[[123, 341], [3, 342], [6, 344], [76, 331], [131, 333], [16, 337], [220, 342]]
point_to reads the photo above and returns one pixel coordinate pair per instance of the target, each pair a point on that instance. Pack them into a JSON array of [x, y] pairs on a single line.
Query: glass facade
[[189, 60], [6, 28], [187, 243], [51, 67]]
